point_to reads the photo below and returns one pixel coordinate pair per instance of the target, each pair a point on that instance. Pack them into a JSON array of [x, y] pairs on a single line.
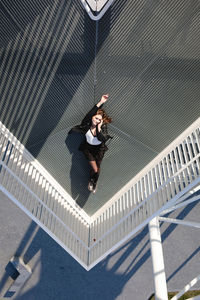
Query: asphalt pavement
[[125, 274]]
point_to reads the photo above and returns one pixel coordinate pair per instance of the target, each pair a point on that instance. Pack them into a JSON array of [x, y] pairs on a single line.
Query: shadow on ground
[[61, 277]]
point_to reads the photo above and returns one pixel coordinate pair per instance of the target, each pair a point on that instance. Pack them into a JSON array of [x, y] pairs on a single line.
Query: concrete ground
[[125, 274]]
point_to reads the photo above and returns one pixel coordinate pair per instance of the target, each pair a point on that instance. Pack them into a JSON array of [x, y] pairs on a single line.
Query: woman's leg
[[95, 169], [94, 166], [94, 175], [93, 172], [98, 162]]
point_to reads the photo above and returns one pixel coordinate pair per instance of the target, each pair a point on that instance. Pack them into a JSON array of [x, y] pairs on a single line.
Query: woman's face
[[96, 120]]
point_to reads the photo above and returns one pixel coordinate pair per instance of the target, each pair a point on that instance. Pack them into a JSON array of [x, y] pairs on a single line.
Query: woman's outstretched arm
[[93, 111], [104, 98]]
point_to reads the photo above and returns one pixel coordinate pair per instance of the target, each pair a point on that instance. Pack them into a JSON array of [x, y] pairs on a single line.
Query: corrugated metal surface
[[55, 63], [150, 66], [40, 68]]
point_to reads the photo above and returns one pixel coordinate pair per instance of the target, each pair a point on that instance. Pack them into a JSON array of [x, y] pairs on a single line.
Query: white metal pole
[[157, 260]]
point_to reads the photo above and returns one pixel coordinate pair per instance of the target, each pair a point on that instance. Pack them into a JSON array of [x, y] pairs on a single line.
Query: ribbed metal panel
[[24, 12], [30, 87], [148, 68], [149, 64], [56, 63]]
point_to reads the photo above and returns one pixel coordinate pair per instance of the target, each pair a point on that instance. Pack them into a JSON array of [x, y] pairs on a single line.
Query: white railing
[[173, 173], [187, 288], [169, 176], [26, 182]]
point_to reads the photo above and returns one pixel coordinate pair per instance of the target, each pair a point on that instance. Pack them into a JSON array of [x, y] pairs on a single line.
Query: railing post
[[157, 260]]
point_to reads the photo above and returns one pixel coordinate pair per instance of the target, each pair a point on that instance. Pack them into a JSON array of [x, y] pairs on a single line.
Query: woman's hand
[[104, 98], [99, 126]]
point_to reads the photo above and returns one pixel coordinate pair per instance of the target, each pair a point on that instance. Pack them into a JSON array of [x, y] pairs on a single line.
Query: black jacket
[[86, 123]]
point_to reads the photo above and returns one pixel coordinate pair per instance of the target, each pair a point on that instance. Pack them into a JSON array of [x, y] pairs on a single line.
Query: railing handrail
[[174, 171], [137, 228], [126, 216], [44, 205], [120, 193], [187, 288], [159, 158], [27, 155]]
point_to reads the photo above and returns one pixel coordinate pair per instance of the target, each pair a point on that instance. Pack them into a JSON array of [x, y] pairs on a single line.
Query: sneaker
[[90, 186], [94, 188]]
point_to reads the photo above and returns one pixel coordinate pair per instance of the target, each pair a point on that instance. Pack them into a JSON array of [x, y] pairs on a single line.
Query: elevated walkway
[[167, 180], [56, 60], [61, 158]]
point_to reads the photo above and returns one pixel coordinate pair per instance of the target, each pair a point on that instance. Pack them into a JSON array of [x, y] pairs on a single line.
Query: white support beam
[[195, 190], [180, 222], [179, 205], [157, 260], [187, 288]]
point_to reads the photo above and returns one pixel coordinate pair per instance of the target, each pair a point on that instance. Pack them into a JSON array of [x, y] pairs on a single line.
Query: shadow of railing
[[105, 281]]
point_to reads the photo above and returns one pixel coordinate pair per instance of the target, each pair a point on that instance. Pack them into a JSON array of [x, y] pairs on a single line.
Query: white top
[[91, 139]]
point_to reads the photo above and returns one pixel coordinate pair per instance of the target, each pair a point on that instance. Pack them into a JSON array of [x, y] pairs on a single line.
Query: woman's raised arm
[[104, 98]]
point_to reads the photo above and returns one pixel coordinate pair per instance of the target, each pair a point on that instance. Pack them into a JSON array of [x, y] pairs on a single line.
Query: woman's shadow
[[79, 173]]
